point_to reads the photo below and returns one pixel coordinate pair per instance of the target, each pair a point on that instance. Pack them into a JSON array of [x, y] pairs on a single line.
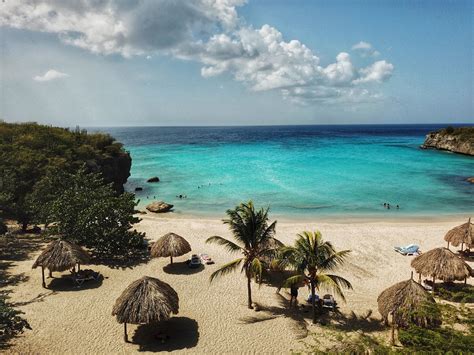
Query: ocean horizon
[[299, 171]]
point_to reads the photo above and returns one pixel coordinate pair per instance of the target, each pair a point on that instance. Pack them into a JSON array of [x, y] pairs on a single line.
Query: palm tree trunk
[[313, 301], [249, 291]]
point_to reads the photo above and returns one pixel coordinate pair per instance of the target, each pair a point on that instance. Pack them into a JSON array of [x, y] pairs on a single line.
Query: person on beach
[[294, 295]]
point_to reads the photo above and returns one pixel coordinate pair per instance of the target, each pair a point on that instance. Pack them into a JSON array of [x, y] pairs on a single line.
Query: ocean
[[298, 171]]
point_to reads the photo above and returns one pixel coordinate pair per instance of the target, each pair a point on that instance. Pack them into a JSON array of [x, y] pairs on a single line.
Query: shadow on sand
[[66, 283], [181, 332], [181, 268]]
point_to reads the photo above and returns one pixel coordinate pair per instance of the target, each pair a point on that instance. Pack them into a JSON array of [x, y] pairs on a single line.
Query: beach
[[213, 317]]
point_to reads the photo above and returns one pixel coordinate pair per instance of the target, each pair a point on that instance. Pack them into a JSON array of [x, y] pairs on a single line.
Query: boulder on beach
[[154, 179], [159, 207]]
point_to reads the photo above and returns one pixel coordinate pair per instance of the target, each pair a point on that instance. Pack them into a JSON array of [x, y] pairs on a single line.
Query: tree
[[254, 239], [29, 151], [311, 257], [90, 213]]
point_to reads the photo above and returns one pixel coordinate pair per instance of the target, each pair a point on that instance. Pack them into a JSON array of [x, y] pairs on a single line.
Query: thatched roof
[[61, 255], [170, 244], [443, 264], [146, 300], [461, 234], [407, 300]]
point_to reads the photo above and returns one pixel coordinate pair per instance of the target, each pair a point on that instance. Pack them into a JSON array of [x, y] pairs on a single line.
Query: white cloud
[[207, 31], [51, 74], [365, 49], [377, 72]]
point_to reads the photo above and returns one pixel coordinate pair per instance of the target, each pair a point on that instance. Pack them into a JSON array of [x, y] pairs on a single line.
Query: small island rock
[[159, 207], [138, 188], [154, 179]]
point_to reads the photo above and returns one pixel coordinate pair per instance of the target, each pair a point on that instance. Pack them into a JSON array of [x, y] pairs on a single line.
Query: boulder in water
[[471, 180], [154, 179], [138, 188], [159, 207]]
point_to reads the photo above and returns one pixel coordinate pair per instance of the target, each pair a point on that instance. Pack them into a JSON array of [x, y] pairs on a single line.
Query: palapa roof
[[407, 300], [146, 300], [461, 234], [61, 255], [170, 244], [443, 264]]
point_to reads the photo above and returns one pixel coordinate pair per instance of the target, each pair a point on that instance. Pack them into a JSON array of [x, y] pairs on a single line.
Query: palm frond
[[334, 260], [293, 280], [256, 268], [226, 269], [230, 246], [333, 283]]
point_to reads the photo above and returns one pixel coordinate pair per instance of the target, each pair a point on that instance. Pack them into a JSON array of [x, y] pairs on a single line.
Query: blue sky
[[227, 62]]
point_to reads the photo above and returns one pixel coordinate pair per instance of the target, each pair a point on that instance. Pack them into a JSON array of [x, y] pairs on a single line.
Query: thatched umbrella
[[441, 264], [463, 234], [402, 301], [61, 255], [170, 245], [146, 300]]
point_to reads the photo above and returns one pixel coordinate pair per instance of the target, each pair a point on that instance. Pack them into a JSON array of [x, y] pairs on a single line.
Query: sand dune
[[213, 318]]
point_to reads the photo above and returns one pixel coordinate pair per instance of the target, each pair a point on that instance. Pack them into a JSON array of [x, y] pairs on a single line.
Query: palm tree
[[254, 239], [312, 257]]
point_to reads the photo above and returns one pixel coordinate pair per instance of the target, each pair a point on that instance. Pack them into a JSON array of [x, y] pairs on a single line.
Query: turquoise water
[[299, 170]]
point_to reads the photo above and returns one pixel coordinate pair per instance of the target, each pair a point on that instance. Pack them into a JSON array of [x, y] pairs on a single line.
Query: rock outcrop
[[457, 140], [154, 179], [159, 207], [471, 180]]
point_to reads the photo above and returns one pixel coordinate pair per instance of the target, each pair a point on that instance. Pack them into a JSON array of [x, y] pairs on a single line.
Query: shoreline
[[349, 219]]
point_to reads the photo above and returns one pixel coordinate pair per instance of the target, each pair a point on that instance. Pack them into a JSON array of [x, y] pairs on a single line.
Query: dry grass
[[403, 300], [60, 255], [146, 300], [461, 234], [442, 264], [170, 245]]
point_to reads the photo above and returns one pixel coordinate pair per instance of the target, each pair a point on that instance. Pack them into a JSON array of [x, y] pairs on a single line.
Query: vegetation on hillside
[[29, 151], [11, 322]]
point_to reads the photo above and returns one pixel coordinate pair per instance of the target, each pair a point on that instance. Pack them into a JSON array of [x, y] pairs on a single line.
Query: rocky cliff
[[456, 140]]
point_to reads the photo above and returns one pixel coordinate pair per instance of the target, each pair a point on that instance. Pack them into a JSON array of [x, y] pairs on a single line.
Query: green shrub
[[436, 340], [455, 292], [3, 227], [11, 323]]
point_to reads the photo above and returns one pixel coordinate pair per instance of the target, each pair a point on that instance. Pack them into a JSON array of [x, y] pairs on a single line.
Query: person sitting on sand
[[294, 295]]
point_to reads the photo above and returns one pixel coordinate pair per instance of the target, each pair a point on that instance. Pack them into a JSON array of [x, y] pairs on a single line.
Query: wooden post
[[171, 259], [78, 266], [42, 274], [462, 246], [448, 245], [50, 274], [419, 278], [125, 336], [392, 340], [433, 285]]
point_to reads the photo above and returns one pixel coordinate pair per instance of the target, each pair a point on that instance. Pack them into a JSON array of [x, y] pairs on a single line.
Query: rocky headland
[[457, 140]]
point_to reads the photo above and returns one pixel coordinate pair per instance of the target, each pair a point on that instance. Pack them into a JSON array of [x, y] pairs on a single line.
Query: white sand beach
[[213, 318]]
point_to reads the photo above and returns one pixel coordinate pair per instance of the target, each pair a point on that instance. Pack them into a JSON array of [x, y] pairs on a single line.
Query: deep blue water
[[299, 170]]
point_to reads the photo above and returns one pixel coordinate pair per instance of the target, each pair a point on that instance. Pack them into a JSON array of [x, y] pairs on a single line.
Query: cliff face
[[115, 169], [456, 140]]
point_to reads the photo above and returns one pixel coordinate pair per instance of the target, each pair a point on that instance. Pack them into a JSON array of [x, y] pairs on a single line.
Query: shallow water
[[300, 171]]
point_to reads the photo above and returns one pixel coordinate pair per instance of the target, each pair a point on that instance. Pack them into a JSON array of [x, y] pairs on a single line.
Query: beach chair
[[85, 275], [329, 302], [409, 250], [206, 259]]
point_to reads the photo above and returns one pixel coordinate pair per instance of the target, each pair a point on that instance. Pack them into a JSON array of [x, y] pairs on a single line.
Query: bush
[[462, 293], [450, 129], [11, 323], [436, 340]]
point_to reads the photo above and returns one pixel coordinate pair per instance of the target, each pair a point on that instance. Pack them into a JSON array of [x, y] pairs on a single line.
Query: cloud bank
[[206, 31], [50, 75]]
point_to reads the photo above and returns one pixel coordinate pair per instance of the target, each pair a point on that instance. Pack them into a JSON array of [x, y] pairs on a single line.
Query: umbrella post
[[392, 339], [125, 336], [78, 266], [419, 278], [171, 259], [462, 246], [433, 291], [42, 274], [448, 245]]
